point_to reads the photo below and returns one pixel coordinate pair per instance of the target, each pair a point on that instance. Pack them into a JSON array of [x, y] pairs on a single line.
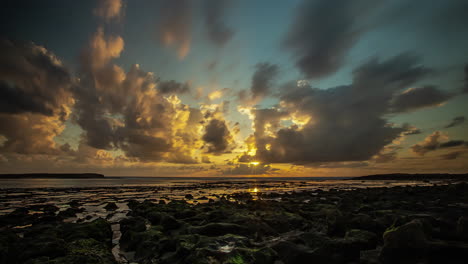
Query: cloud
[[217, 137], [174, 25], [262, 79], [173, 87], [261, 83], [32, 80], [411, 130], [246, 169], [435, 141], [214, 14], [101, 49], [385, 157], [108, 9], [35, 98], [216, 94], [344, 123], [417, 98], [456, 121], [133, 111], [324, 31], [205, 159], [452, 155]]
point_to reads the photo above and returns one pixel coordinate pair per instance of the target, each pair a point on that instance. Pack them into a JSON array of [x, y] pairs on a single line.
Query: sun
[[254, 163]]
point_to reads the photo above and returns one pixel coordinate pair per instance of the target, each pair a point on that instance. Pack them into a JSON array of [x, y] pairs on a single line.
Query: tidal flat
[[226, 222]]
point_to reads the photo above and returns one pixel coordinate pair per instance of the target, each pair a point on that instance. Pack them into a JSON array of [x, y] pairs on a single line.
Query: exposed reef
[[410, 224]]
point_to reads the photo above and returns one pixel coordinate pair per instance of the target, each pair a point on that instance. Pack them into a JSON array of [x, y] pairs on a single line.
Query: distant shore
[[52, 176], [413, 177]]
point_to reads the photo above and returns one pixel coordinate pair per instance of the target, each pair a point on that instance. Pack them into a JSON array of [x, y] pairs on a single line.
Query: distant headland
[[413, 177], [52, 176]]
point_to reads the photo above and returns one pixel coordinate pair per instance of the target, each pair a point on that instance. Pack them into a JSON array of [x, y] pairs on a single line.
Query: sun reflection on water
[[254, 190]]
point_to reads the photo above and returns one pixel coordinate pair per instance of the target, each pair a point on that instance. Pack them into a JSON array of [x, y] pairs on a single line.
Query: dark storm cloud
[[456, 121], [144, 147], [324, 31], [31, 79], [416, 98], [261, 84], [35, 98], [173, 87], [217, 136], [262, 79], [14, 100], [435, 141], [345, 123], [214, 19]]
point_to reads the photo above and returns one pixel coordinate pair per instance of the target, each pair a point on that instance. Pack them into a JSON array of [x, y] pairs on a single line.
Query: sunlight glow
[[254, 163]]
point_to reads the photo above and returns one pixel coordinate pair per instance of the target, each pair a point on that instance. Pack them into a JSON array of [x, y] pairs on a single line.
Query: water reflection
[[254, 190]]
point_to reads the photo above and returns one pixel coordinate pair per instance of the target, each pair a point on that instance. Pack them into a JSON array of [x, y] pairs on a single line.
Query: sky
[[234, 88]]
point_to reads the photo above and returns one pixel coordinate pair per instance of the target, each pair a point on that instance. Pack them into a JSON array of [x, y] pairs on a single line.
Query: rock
[[111, 206], [338, 250], [409, 235], [294, 253], [186, 213], [51, 248], [219, 229], [170, 223], [146, 250], [81, 251], [70, 212], [155, 217], [136, 224], [336, 222], [264, 256], [74, 203], [365, 222], [50, 208], [405, 244], [135, 235], [462, 228], [99, 229], [19, 216], [130, 240], [363, 239], [8, 251]]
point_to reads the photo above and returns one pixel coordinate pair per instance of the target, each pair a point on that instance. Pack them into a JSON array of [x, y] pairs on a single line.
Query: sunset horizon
[[233, 132], [175, 88]]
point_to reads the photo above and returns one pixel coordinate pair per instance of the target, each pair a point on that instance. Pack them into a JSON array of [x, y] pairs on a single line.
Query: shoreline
[[336, 226]]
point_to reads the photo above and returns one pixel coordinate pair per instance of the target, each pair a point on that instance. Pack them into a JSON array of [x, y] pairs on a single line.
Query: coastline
[[321, 226]]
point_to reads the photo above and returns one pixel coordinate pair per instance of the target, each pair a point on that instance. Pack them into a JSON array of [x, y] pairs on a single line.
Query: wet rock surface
[[425, 224]]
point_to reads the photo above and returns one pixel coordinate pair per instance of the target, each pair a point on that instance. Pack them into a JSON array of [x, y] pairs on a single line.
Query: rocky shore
[[407, 224]]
